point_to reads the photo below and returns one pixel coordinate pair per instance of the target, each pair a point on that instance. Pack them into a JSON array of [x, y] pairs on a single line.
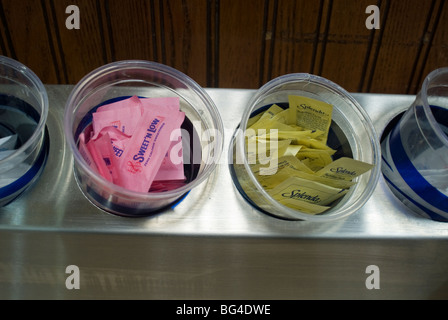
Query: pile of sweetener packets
[[136, 143]]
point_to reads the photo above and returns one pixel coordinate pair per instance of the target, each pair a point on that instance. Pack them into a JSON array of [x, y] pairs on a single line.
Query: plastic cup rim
[[375, 175], [38, 132], [154, 66], [426, 106]]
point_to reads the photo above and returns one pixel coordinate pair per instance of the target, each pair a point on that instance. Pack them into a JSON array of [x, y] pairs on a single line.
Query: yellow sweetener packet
[[292, 162], [296, 135], [270, 124], [311, 114], [315, 159], [284, 117], [303, 206], [298, 189], [306, 149], [269, 182], [271, 112], [304, 138], [265, 126], [268, 114], [262, 151], [292, 150], [283, 162], [253, 120], [284, 173], [344, 169], [340, 184]]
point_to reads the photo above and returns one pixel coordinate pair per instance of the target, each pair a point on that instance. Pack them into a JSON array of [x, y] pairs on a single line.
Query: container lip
[[375, 172], [424, 96], [154, 66], [37, 134]]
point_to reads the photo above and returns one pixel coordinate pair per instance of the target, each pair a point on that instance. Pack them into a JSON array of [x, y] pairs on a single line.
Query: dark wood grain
[[30, 42], [400, 47], [133, 32], [296, 37], [346, 46], [185, 25], [435, 54], [234, 43], [80, 51], [6, 46], [240, 46]]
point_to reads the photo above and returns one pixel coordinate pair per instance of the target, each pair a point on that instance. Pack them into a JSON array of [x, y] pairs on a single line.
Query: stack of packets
[[136, 143], [306, 178]]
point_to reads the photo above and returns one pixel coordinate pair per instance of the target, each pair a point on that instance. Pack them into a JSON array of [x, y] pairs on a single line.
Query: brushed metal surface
[[214, 244]]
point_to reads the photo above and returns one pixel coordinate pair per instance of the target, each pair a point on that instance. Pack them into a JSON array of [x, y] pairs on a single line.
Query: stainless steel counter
[[214, 245]]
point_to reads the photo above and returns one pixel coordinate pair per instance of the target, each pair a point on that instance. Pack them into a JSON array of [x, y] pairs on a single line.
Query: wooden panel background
[[234, 43]]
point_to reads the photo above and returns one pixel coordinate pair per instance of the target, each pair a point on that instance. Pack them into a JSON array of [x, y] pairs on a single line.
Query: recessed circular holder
[[352, 134], [24, 140], [336, 140], [190, 139], [415, 150], [203, 129]]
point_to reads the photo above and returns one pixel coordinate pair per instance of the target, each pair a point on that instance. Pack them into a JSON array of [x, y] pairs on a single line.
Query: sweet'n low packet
[[106, 158], [123, 115], [147, 149], [102, 153]]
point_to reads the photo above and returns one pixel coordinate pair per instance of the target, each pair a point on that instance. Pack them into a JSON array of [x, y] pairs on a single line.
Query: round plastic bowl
[[23, 114], [351, 131], [144, 79]]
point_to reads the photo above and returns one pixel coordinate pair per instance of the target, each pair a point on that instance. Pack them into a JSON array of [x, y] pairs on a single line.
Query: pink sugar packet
[[85, 153], [163, 186], [147, 148], [124, 115], [133, 101], [168, 104], [172, 167], [118, 139], [103, 155]]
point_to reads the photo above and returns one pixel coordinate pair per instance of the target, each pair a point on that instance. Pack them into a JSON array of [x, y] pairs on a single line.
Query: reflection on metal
[[214, 244]]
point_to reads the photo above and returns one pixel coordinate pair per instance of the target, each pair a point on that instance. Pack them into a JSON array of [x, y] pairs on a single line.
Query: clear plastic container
[[23, 138], [352, 134], [415, 152], [202, 147]]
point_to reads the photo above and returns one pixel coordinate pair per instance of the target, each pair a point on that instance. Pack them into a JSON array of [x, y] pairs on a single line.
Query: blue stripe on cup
[[16, 188], [431, 214], [412, 177]]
